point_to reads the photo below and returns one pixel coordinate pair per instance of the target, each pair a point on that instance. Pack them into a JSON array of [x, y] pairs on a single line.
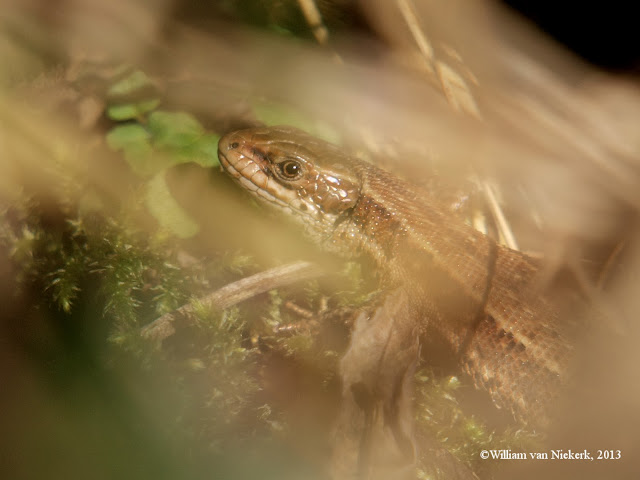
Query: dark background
[[604, 33]]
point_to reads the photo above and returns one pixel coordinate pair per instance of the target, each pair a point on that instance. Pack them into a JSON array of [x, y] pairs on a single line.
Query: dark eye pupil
[[290, 169]]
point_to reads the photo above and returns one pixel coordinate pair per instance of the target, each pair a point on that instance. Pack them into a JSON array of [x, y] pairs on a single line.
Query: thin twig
[[423, 43], [455, 88], [605, 273], [234, 293], [314, 20], [498, 215]]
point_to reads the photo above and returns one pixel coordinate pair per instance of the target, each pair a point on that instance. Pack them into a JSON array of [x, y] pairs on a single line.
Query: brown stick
[[234, 293]]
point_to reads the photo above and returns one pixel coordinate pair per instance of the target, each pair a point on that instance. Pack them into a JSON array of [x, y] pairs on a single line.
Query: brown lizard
[[442, 275]]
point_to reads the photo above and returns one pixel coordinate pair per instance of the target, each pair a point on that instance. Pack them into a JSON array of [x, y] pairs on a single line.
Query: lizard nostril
[[233, 145]]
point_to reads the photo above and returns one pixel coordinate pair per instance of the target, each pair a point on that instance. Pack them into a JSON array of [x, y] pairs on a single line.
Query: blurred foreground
[[113, 215]]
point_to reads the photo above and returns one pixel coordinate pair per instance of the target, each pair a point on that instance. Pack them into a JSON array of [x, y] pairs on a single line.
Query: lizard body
[[483, 298]]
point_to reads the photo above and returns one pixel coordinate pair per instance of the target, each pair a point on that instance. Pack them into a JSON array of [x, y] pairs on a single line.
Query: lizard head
[[308, 178]]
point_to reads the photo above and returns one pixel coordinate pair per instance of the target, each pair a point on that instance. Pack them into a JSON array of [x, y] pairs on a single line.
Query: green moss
[[440, 415]]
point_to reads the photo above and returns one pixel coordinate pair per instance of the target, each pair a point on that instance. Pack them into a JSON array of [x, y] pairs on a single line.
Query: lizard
[[443, 277]]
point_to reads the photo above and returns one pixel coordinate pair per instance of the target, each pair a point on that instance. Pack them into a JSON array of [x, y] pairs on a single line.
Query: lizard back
[[509, 332]]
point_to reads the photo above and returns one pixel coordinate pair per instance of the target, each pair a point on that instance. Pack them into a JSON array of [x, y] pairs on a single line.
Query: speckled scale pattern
[[519, 350], [483, 298]]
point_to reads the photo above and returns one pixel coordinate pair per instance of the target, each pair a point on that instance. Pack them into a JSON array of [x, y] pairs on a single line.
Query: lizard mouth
[[252, 172], [255, 182], [251, 169]]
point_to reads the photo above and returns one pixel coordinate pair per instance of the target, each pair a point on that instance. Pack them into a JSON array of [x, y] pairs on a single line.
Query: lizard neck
[[414, 243]]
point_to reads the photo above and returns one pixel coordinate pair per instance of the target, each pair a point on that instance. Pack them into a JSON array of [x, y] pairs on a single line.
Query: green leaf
[[138, 80], [123, 137], [131, 111], [166, 210], [183, 137], [174, 130], [207, 151], [203, 151], [133, 141]]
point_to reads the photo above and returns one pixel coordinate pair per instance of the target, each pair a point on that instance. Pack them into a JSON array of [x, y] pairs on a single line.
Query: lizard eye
[[290, 169]]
